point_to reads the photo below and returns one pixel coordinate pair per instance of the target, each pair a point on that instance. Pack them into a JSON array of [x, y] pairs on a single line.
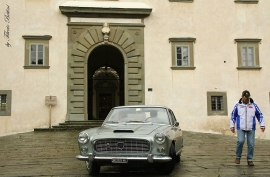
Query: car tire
[[167, 168], [92, 168], [178, 158]]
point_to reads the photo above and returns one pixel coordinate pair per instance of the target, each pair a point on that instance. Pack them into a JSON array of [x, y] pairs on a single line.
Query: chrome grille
[[122, 146]]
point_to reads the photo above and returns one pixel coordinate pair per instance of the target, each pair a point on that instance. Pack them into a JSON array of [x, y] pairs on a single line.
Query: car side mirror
[[176, 124]]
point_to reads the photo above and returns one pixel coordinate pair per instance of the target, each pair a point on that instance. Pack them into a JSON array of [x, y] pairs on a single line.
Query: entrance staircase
[[73, 125]]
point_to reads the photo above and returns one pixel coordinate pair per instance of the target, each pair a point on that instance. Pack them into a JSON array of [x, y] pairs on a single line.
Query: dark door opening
[[105, 65], [105, 105]]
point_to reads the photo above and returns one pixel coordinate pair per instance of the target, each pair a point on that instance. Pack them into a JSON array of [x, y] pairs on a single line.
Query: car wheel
[[178, 158], [167, 168], [92, 168]]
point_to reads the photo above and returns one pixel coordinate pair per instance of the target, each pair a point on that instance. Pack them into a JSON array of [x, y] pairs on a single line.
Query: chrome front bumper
[[150, 158]]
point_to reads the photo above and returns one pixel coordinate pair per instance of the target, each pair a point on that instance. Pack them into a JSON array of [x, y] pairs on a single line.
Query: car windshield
[[138, 115]]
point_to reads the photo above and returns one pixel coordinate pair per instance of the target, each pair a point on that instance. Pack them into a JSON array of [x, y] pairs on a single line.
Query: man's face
[[245, 100]]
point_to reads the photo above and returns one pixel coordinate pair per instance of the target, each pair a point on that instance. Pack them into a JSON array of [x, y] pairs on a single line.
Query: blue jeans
[[250, 143]]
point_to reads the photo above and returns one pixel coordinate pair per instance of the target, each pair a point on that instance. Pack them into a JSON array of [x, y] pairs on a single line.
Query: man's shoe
[[237, 161], [250, 163]]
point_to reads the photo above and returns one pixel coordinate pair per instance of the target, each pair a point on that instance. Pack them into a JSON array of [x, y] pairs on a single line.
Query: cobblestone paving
[[53, 154]]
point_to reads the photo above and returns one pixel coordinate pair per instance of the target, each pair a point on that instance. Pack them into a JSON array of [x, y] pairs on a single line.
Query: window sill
[[183, 68], [36, 67], [247, 1], [218, 114], [249, 68], [5, 113], [180, 0]]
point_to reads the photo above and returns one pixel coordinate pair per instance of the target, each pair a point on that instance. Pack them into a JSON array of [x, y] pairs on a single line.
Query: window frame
[[224, 112], [37, 40], [247, 55], [182, 42], [248, 43], [176, 59], [9, 99], [43, 53]]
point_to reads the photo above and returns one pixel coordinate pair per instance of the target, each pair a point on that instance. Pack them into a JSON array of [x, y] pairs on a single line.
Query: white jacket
[[244, 116]]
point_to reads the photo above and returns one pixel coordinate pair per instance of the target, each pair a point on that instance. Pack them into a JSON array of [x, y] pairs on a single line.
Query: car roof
[[141, 106]]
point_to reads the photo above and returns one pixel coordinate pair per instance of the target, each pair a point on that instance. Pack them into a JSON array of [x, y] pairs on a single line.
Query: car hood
[[138, 129]]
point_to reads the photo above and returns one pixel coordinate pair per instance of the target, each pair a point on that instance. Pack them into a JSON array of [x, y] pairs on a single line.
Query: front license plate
[[116, 160]]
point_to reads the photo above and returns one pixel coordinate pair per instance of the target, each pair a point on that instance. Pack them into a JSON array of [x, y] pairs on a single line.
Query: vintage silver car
[[133, 136]]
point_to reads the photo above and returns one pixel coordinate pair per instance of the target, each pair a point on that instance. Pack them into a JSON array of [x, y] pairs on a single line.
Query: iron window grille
[[3, 102], [217, 103]]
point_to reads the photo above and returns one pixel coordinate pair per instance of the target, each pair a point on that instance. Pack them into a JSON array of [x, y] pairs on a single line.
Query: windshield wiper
[[135, 121], [114, 122]]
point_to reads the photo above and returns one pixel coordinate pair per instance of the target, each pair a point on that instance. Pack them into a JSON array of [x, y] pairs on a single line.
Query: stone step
[[82, 123], [73, 125], [49, 129]]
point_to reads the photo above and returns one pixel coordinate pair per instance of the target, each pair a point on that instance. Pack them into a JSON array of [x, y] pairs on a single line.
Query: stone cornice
[[103, 9], [101, 24], [247, 1], [183, 39], [247, 40], [44, 37]]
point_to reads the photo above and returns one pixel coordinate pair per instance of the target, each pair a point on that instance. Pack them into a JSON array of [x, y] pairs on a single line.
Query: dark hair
[[246, 94]]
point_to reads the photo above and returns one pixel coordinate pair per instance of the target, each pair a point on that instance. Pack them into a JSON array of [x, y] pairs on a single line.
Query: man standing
[[243, 114]]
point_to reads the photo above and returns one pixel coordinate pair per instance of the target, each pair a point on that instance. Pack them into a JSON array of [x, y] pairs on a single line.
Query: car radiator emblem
[[120, 145], [108, 146]]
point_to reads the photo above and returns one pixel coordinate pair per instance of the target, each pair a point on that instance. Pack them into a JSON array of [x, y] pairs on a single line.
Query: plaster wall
[[30, 86], [215, 25]]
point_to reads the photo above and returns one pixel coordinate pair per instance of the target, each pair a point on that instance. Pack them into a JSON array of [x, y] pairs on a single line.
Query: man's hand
[[233, 130], [262, 128]]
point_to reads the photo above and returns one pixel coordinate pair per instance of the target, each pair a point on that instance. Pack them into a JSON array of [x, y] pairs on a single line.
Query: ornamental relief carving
[[105, 30]]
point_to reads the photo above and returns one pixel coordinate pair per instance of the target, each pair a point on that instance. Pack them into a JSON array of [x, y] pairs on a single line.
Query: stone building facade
[[194, 56]]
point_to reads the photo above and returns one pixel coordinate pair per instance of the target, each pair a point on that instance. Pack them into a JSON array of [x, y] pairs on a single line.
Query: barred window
[[217, 103], [3, 102]]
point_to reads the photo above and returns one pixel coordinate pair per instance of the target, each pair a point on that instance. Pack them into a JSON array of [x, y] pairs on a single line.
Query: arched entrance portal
[[105, 81], [85, 36], [118, 47]]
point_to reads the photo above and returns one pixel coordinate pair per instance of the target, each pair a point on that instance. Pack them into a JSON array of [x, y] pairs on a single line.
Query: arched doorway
[[84, 37], [90, 48], [105, 81]]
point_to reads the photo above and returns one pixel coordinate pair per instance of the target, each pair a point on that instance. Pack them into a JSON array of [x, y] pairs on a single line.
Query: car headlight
[[83, 138], [160, 138]]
